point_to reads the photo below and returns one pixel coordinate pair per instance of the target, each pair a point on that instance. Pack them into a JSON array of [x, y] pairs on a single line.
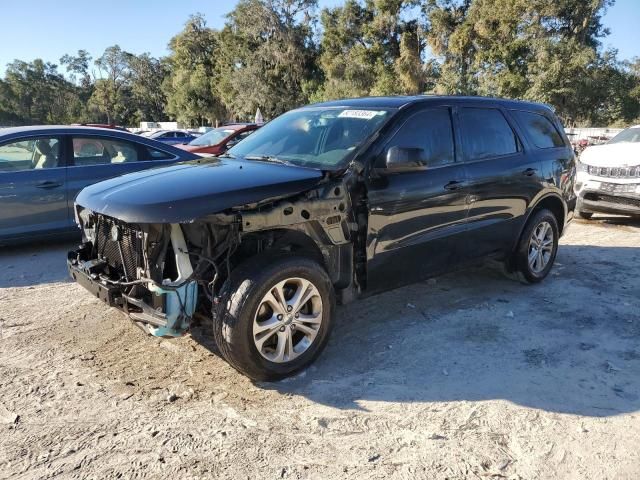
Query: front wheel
[[275, 316], [538, 247]]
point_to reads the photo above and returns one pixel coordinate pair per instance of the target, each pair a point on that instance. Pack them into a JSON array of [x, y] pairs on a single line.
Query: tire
[[243, 310], [584, 215], [536, 272]]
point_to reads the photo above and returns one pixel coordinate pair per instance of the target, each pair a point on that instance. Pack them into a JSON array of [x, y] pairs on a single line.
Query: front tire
[[538, 247], [275, 316], [584, 215]]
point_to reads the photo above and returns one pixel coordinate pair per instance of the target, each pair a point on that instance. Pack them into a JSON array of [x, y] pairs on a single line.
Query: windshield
[[212, 137], [321, 138], [630, 135]]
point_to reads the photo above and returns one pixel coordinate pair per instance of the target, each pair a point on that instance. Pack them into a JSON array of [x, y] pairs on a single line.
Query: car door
[[416, 217], [503, 179], [33, 186], [171, 138], [94, 158], [182, 137]]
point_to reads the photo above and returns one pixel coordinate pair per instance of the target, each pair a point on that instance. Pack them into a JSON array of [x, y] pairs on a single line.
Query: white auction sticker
[[365, 114]]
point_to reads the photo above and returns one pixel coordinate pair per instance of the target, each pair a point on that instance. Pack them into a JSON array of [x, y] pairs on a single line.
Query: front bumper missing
[[168, 315]]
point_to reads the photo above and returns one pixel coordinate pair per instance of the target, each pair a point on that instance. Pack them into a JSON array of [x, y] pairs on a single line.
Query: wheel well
[[555, 206], [337, 260]]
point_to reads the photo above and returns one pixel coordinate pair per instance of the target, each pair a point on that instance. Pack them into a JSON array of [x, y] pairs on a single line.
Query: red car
[[219, 140]]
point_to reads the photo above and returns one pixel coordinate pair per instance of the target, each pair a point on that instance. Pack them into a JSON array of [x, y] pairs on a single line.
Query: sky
[[48, 29]]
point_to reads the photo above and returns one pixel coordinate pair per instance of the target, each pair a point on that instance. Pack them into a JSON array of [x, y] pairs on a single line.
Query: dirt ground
[[468, 376]]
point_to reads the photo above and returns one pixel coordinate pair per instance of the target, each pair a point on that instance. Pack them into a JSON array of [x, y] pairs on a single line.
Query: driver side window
[[429, 131], [30, 154]]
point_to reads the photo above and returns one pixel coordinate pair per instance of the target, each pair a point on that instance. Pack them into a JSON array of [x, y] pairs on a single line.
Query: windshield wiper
[[226, 155], [268, 158]]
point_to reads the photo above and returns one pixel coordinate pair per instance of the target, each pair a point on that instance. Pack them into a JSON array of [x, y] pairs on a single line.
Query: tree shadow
[[568, 345]]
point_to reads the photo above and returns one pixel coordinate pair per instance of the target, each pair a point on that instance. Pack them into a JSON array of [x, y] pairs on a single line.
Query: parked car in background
[[609, 176], [43, 168], [219, 140], [337, 200], [172, 137]]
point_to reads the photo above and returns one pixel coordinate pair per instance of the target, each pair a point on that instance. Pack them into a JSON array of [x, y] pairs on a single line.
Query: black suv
[[333, 201]]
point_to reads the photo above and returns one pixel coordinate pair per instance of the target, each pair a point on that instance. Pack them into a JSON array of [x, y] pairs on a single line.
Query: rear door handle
[[48, 185], [454, 185], [529, 172]]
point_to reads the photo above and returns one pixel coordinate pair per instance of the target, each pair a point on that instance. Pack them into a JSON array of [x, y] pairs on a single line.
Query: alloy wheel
[[287, 320], [541, 246]]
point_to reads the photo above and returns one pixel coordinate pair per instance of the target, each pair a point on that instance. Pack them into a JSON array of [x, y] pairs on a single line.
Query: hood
[[612, 155], [186, 191]]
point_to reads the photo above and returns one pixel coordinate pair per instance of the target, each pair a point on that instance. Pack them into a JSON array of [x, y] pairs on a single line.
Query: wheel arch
[[551, 201], [304, 240]]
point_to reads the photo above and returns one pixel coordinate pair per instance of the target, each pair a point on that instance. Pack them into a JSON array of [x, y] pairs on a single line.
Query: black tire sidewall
[[243, 292], [522, 256]]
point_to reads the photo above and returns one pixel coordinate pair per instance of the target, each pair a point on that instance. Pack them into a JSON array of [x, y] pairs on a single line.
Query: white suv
[[608, 178]]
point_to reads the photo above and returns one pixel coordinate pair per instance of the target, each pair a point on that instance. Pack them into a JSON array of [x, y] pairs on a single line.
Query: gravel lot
[[468, 376]]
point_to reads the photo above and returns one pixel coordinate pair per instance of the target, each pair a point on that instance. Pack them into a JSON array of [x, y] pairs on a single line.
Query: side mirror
[[402, 159]]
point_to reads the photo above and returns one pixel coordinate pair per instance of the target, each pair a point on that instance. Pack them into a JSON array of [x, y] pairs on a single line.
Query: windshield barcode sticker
[[364, 114]]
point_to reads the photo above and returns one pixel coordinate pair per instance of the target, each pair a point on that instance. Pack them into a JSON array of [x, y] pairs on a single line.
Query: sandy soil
[[468, 376]]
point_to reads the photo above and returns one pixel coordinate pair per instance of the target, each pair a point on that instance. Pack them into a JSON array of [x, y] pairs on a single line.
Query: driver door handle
[[48, 184], [454, 185]]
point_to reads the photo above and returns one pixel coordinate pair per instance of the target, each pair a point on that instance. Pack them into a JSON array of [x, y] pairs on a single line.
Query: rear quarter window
[[540, 130]]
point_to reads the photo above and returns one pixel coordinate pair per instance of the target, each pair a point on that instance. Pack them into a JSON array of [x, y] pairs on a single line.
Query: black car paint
[[415, 215], [415, 224], [191, 190]]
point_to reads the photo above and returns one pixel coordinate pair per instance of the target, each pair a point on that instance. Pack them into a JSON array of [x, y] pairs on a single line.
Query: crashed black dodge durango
[[330, 202]]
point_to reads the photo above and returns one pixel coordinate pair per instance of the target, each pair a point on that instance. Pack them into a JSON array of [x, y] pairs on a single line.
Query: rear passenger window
[[540, 130], [486, 133], [99, 151], [431, 131]]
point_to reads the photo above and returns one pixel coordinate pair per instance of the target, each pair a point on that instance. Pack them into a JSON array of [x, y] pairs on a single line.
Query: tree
[[78, 67], [371, 49], [146, 77], [110, 96], [267, 56], [190, 88], [36, 93]]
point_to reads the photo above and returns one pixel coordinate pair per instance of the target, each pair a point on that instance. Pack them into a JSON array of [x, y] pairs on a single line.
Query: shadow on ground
[[569, 345]]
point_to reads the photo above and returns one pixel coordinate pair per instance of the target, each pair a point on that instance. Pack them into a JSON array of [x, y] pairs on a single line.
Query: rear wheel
[[275, 316], [538, 247]]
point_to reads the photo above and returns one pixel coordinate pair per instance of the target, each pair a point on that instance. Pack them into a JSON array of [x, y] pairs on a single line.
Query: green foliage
[[372, 48], [279, 54], [267, 57], [190, 87]]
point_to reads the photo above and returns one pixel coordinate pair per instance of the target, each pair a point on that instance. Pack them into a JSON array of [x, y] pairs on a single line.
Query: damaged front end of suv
[[163, 275], [261, 242]]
